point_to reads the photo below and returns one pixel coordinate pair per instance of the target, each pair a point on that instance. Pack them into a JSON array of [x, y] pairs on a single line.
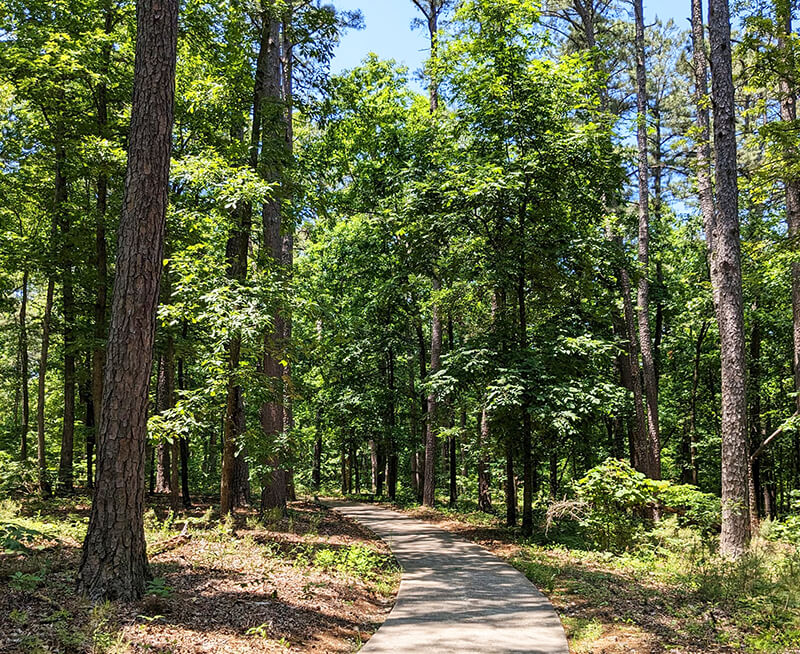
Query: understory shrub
[[614, 505]]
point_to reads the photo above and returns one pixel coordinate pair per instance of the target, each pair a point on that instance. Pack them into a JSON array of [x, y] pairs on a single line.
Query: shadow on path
[[454, 595]]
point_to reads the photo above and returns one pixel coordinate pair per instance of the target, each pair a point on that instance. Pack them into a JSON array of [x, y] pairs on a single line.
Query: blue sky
[[388, 30]]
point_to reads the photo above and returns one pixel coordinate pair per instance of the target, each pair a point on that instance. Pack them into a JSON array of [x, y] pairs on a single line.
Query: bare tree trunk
[[511, 487], [788, 102], [114, 560], [163, 449], [275, 484], [429, 485], [756, 435], [44, 484], [726, 277], [65, 478], [652, 466], [689, 473], [24, 374], [174, 445], [527, 454], [484, 493], [184, 443], [101, 259], [639, 448]]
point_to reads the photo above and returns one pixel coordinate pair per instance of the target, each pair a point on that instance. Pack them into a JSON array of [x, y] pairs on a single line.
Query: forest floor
[[672, 596], [310, 581]]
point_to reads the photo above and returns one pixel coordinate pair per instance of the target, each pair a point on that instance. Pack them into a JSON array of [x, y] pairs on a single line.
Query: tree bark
[[101, 258], [114, 560], [726, 278], [429, 483], [639, 447], [652, 466], [689, 472], [24, 374], [788, 103], [275, 484], [484, 493], [163, 450], [511, 487], [44, 483], [65, 478]]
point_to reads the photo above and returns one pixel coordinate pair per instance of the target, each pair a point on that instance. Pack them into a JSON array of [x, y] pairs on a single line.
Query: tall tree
[[788, 104], [114, 560], [726, 278], [652, 467], [432, 11]]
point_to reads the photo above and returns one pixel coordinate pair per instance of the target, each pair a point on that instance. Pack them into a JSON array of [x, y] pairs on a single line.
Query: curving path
[[454, 595]]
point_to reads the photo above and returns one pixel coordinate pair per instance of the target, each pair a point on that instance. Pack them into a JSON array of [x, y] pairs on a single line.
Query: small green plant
[[18, 617], [261, 631], [158, 587], [25, 581]]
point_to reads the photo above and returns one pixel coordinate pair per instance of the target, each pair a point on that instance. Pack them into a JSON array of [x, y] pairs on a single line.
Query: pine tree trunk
[[726, 278], [114, 560], [652, 465], [788, 102]]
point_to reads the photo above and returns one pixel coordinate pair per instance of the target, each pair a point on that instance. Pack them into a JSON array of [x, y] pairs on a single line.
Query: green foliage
[[611, 501], [25, 581], [158, 586], [693, 507], [787, 529]]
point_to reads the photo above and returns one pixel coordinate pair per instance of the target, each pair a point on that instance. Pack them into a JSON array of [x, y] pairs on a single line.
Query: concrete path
[[454, 595]]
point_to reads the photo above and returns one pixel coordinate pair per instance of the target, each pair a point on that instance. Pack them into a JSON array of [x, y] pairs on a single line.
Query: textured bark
[[726, 278], [44, 483], [24, 374], [114, 560], [652, 465], [275, 484]]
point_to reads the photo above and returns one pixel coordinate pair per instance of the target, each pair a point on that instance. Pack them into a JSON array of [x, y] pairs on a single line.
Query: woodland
[[551, 302]]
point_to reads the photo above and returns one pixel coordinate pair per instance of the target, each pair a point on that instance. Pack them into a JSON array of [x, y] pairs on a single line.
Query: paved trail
[[454, 595]]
